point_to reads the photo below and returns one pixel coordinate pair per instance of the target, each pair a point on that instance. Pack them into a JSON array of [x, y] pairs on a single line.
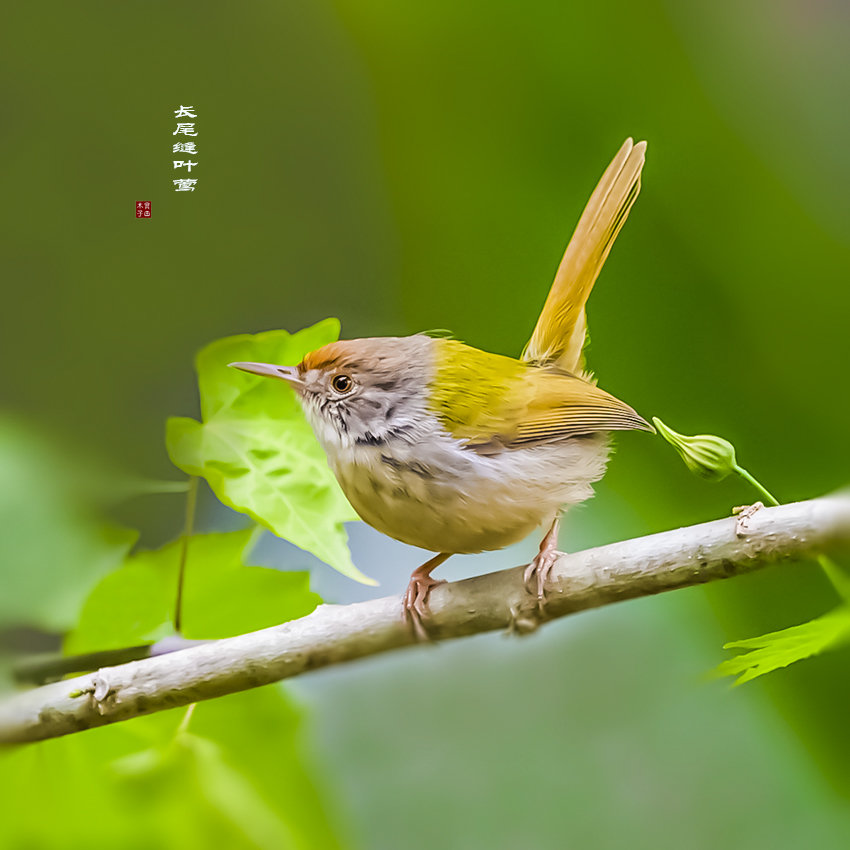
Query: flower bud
[[704, 454]]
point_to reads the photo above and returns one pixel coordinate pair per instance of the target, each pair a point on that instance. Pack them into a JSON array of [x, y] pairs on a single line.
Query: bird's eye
[[342, 383]]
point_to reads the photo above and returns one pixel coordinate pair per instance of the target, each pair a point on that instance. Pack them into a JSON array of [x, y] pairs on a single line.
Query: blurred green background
[[415, 165]]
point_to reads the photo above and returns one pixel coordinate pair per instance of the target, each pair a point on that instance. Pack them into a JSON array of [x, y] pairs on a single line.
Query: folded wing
[[490, 401]]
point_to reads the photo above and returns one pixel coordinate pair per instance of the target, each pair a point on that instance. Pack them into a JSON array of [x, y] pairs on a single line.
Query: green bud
[[705, 455]]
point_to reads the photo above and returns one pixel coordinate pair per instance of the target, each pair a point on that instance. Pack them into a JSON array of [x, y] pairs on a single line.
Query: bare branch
[[336, 633]]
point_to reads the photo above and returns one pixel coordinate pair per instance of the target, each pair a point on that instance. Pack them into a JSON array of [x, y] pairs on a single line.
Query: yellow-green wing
[[560, 332], [489, 400]]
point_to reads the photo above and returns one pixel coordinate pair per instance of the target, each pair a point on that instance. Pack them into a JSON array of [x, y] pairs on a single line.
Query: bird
[[457, 450]]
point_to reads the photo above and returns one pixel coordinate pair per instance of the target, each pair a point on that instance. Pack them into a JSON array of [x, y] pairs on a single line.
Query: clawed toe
[[537, 574], [414, 606]]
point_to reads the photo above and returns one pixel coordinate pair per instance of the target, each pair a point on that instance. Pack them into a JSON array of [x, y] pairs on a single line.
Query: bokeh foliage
[[175, 780], [54, 546], [222, 596], [407, 166]]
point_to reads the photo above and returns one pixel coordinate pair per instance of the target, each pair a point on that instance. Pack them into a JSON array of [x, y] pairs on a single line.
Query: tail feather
[[561, 330]]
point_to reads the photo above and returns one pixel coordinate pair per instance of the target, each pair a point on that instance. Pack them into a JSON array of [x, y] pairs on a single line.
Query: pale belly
[[446, 499]]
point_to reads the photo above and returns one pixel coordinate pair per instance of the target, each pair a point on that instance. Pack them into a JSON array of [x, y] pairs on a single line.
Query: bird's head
[[362, 391]]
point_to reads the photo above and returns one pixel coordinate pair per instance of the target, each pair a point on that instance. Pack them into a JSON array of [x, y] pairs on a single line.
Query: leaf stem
[[768, 496], [836, 576], [184, 723], [256, 533], [154, 487], [191, 502]]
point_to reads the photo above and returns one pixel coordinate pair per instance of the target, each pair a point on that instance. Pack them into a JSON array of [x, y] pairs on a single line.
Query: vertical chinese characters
[[143, 209], [185, 184]]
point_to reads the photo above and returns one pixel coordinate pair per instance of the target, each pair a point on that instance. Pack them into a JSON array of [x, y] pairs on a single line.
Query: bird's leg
[[537, 572], [415, 604]]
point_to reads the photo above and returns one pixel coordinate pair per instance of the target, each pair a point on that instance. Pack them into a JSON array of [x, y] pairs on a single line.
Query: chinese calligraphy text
[[185, 129]]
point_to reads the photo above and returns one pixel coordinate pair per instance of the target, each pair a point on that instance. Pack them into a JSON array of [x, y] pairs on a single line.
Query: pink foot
[[537, 573], [415, 603]]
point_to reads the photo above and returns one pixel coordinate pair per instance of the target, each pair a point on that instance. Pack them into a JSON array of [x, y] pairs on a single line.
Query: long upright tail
[[560, 333]]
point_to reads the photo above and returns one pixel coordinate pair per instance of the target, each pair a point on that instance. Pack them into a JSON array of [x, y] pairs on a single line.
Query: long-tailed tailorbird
[[457, 450]]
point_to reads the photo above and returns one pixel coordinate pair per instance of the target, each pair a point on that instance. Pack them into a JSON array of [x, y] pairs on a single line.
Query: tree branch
[[336, 633], [39, 669]]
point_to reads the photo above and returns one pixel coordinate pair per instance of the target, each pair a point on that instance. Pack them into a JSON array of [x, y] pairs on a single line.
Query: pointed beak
[[269, 370]]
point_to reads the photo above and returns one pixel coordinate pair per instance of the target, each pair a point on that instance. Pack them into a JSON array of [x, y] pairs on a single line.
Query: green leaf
[[53, 547], [221, 596], [779, 649], [226, 773], [256, 449]]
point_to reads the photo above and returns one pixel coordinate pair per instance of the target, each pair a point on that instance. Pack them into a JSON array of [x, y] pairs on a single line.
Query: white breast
[[439, 496]]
